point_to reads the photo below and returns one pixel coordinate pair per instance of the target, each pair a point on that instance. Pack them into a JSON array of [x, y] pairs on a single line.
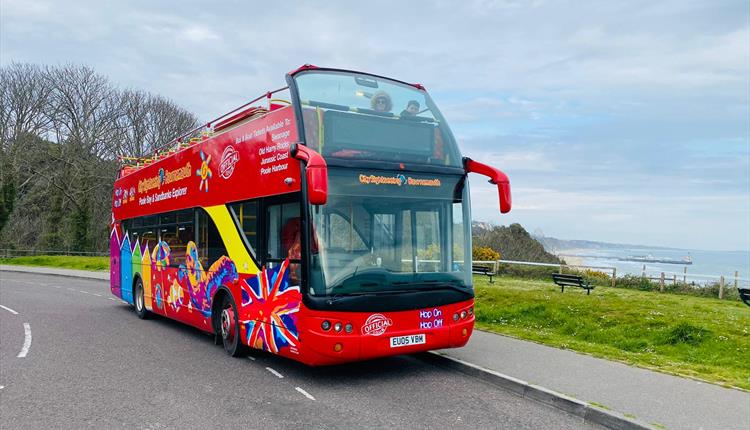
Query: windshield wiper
[[434, 284], [341, 296]]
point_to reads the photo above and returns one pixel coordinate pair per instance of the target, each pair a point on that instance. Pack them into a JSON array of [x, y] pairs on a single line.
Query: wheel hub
[[227, 324]]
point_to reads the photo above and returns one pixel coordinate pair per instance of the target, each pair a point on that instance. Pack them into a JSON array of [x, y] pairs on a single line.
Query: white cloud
[[606, 115], [196, 33]]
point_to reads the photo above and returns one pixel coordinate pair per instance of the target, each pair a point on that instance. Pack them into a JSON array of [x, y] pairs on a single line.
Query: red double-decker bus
[[327, 221]]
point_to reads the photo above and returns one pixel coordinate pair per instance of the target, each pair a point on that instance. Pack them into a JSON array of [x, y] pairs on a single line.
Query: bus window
[[384, 239], [282, 231], [283, 238], [344, 236], [149, 237], [209, 242], [428, 241], [176, 228], [135, 236], [246, 217]]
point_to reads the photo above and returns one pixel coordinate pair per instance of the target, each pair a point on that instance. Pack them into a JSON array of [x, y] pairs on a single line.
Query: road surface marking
[[26, 341], [2, 386], [279, 375], [9, 310], [70, 289], [56, 286], [251, 358], [113, 299], [97, 295], [84, 292], [305, 393]]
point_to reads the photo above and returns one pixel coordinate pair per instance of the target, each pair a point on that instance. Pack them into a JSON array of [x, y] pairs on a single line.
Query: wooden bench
[[745, 295], [485, 269], [571, 281]]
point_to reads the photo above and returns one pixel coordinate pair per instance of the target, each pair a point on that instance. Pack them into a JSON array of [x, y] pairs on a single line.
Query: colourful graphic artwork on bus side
[[201, 285], [126, 269], [204, 172], [270, 303], [114, 265], [174, 299], [161, 256], [146, 277]]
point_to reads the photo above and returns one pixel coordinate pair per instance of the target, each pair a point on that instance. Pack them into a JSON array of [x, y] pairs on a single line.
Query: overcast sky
[[623, 122]]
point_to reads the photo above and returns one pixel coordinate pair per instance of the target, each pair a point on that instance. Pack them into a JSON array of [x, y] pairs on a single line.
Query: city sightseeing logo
[[229, 159], [398, 180], [376, 325], [163, 177]]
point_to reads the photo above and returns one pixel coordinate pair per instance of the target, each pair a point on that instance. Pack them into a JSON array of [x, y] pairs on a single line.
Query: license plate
[[414, 339]]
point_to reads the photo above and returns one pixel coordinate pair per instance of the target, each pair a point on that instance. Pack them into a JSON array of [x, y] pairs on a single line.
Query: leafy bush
[[635, 282], [527, 272], [484, 253], [596, 277]]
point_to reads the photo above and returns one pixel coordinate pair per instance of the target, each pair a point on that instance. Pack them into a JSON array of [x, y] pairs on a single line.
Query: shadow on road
[[357, 373]]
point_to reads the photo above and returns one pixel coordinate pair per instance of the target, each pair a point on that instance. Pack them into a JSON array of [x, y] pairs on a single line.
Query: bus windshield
[[348, 115], [390, 232]]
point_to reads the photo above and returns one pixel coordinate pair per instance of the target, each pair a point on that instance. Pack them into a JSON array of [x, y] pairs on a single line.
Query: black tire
[[229, 328], [139, 301]]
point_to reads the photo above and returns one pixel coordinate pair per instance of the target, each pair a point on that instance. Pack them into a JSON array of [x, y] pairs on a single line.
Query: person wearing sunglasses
[[381, 102]]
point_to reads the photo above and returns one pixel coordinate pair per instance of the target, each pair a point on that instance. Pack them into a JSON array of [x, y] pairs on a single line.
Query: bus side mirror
[[316, 173], [496, 177]]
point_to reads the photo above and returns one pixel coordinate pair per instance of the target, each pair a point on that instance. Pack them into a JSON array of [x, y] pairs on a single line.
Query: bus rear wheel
[[140, 301], [230, 327]]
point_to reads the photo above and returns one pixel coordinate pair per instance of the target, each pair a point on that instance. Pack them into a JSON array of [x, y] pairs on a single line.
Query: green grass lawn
[[690, 336], [65, 261]]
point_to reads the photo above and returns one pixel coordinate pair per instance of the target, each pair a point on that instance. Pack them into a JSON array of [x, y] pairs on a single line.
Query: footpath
[[609, 393], [653, 399]]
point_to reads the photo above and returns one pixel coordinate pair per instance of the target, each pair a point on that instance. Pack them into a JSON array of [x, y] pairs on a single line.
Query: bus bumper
[[404, 334]]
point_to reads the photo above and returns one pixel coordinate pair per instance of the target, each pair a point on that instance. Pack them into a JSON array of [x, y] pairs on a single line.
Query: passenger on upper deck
[[381, 102], [412, 108]]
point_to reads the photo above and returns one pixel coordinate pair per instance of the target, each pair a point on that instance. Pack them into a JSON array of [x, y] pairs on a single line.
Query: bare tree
[[166, 122], [150, 122], [24, 102], [71, 124], [86, 109], [24, 107], [134, 123]]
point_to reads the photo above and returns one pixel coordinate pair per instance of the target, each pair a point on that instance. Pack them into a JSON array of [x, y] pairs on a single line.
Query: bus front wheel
[[230, 328]]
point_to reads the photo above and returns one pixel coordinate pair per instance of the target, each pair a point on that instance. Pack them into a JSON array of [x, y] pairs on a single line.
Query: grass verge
[[690, 336], [63, 261]]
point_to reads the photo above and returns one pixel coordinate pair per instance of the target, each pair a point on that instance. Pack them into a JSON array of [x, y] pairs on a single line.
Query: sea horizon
[[707, 266]]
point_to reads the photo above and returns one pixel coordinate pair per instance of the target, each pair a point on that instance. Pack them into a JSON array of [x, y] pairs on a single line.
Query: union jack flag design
[[270, 304]]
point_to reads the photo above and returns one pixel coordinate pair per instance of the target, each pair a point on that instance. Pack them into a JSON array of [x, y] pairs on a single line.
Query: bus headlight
[[349, 328], [463, 314], [337, 327], [326, 325], [455, 317]]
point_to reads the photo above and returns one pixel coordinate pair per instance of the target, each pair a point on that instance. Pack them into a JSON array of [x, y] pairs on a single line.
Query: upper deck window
[[348, 115]]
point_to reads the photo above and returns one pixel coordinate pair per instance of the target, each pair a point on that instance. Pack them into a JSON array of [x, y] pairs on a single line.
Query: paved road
[[92, 363]]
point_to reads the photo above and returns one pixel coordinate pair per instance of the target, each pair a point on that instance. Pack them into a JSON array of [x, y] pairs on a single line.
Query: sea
[[707, 266]]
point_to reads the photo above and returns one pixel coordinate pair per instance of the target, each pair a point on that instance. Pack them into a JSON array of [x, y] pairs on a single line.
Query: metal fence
[[8, 253], [662, 278]]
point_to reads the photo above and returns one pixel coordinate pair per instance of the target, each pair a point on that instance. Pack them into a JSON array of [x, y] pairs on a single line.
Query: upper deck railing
[[219, 125]]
